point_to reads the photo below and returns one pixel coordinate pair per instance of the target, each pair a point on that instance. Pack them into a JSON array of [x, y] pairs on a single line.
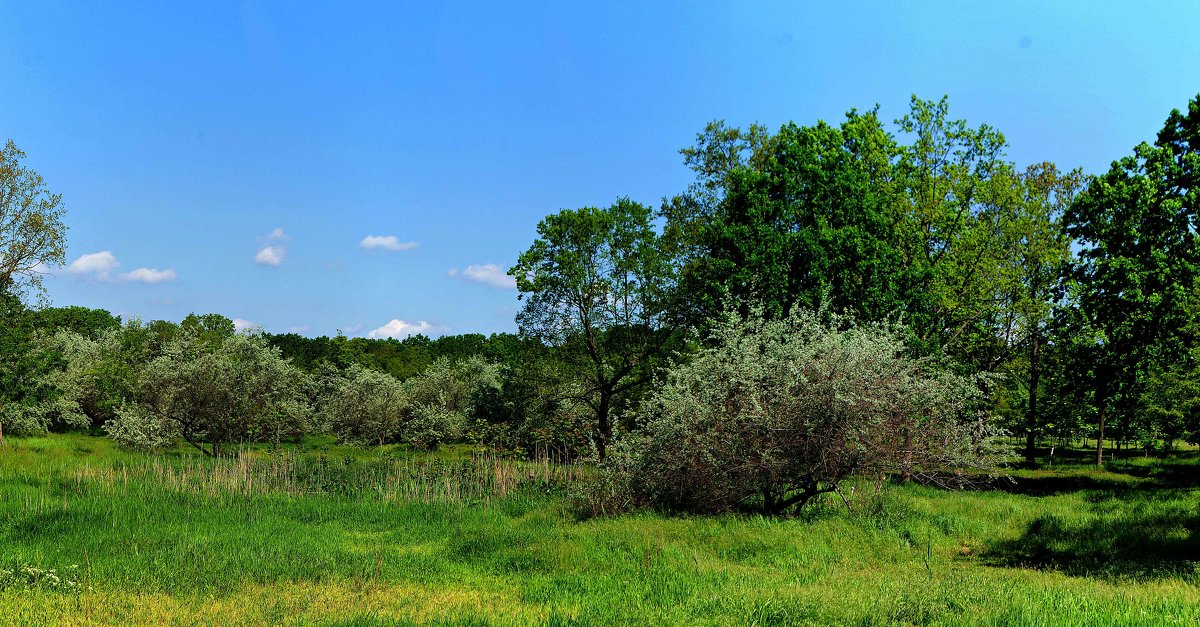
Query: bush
[[214, 391], [363, 406], [776, 412]]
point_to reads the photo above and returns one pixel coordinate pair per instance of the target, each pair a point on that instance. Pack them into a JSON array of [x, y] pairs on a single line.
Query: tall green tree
[[596, 285], [32, 233], [1138, 258], [850, 217], [1036, 249]]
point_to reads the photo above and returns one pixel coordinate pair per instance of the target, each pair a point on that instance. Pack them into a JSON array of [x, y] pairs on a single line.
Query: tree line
[[822, 300]]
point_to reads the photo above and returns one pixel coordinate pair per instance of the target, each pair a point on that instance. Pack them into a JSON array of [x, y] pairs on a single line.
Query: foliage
[[99, 372], [24, 396], [363, 406], [32, 233], [596, 285], [213, 390], [850, 216], [778, 411], [1138, 259], [368, 407], [447, 397]]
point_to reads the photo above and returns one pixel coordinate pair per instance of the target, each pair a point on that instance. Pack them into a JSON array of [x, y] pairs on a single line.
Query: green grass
[[327, 535]]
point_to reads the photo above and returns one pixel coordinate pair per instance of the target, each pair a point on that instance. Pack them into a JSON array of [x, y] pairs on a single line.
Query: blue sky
[[236, 157]]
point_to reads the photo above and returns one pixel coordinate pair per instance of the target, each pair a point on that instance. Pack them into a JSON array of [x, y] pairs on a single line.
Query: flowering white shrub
[[778, 411]]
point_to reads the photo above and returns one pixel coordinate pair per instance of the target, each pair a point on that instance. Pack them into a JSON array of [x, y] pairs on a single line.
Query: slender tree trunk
[[1100, 435], [1031, 419], [3, 444]]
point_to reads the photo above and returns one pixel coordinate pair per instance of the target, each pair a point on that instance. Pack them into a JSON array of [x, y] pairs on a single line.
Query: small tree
[[364, 406], [446, 397], [213, 391], [777, 412], [24, 396], [98, 373]]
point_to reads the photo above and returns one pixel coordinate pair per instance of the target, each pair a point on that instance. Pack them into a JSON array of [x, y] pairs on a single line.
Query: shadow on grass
[[1127, 534]]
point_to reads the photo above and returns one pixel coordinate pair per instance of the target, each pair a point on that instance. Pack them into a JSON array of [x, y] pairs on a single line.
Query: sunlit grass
[[319, 535]]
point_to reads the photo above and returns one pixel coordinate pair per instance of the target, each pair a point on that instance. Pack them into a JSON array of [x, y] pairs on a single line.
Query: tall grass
[[324, 537]]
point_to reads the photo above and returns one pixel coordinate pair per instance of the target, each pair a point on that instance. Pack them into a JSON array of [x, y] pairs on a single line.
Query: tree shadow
[[1049, 485], [1128, 534]]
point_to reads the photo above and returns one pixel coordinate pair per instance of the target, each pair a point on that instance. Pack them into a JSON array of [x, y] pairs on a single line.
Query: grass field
[[334, 536]]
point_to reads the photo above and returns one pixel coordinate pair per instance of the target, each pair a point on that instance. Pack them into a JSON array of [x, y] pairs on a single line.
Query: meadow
[[315, 533]]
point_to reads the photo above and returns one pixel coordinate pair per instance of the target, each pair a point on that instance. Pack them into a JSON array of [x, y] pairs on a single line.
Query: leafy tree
[[1038, 250], [364, 406], [99, 373], [596, 285], [1138, 259], [81, 320], [447, 397], [775, 412], [213, 391], [849, 216], [23, 365], [32, 234], [809, 218]]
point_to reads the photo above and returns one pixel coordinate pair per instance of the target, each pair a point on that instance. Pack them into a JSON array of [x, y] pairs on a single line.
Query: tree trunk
[[1031, 419], [3, 444], [603, 426], [1100, 436]]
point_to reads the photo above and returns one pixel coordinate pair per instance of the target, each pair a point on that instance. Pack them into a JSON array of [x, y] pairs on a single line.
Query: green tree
[[596, 285], [364, 406], [99, 372], [32, 233], [808, 216], [23, 367], [849, 217], [213, 392], [1037, 250], [1138, 259]]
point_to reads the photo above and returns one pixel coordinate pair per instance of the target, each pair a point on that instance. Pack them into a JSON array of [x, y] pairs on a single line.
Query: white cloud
[[487, 274], [240, 324], [101, 266], [270, 256], [273, 252], [387, 242], [149, 275], [400, 329], [98, 264]]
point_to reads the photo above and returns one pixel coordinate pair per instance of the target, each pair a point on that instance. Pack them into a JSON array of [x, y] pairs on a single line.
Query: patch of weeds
[[29, 577]]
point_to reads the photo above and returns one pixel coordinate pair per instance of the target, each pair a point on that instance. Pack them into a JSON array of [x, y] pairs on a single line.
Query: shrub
[[213, 391], [365, 407], [776, 412]]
